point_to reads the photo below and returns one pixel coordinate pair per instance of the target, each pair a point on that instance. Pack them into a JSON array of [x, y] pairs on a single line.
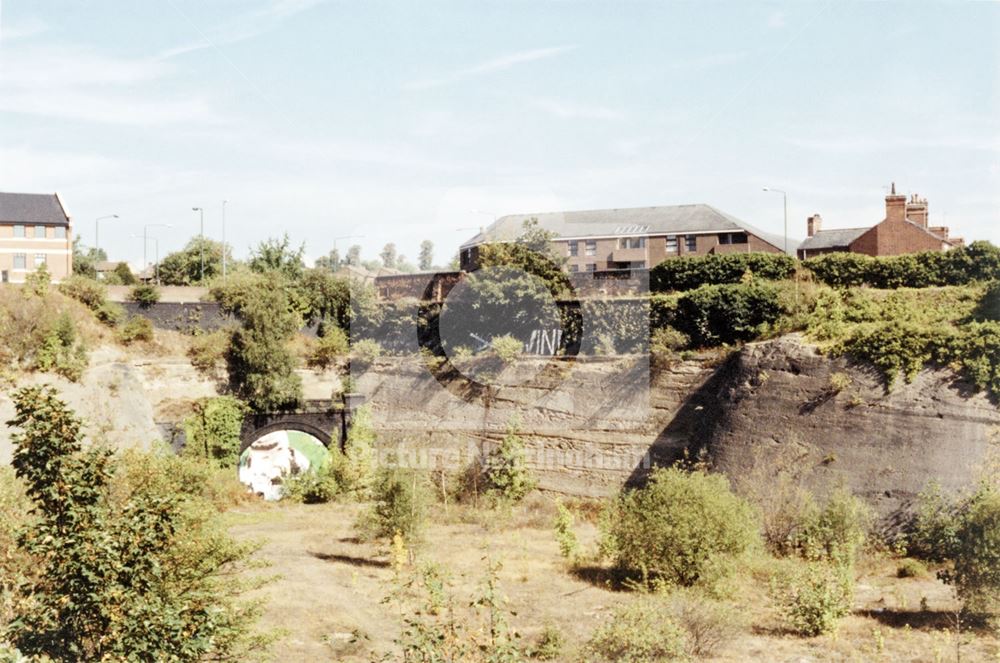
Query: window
[[574, 249], [39, 259], [18, 231], [733, 238], [632, 243], [20, 260], [573, 269], [672, 244], [691, 243], [40, 232], [591, 249], [637, 264], [60, 232], [592, 267]]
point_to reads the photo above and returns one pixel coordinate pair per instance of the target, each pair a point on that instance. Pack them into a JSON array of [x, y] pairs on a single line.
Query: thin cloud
[[9, 31], [570, 111], [500, 63]]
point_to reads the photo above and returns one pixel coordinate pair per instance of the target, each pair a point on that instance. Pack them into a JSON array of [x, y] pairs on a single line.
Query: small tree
[[145, 295], [974, 552], [276, 255], [388, 256], [213, 431], [37, 282], [399, 506], [426, 258], [124, 274], [507, 475]]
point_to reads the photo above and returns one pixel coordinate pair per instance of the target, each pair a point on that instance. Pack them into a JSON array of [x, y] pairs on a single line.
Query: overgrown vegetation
[[212, 432], [144, 294], [506, 475], [688, 273], [725, 314]]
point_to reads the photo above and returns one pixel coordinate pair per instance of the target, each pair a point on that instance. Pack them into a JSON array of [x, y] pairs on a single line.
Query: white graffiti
[[543, 342]]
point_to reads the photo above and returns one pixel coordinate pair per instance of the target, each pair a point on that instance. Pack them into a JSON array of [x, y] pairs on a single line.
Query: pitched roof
[[667, 219], [834, 238], [32, 208]]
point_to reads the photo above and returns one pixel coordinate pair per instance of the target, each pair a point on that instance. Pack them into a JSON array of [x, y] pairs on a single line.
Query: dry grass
[[329, 595]]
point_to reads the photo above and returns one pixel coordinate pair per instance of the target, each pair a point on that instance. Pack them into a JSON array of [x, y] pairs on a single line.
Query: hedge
[[979, 261], [720, 314], [688, 273]]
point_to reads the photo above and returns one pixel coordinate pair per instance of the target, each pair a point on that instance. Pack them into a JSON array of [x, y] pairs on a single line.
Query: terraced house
[[633, 238], [35, 230]]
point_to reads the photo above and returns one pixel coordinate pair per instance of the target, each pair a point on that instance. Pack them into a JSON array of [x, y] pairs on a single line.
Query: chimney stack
[[895, 206], [916, 210], [814, 224]]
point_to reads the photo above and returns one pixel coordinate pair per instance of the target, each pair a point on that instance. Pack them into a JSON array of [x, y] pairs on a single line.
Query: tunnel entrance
[[277, 455]]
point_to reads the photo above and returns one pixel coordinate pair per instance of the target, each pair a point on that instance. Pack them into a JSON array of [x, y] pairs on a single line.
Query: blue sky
[[398, 120]]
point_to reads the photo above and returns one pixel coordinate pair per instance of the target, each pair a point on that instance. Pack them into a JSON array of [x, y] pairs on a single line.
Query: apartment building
[[633, 238], [35, 230], [905, 229]]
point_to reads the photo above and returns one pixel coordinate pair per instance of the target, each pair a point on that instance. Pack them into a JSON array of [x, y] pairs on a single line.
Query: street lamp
[[201, 235], [156, 256], [785, 197], [97, 229], [144, 234]]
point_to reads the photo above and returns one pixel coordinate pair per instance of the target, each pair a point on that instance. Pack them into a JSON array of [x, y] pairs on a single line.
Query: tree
[[325, 298], [85, 259], [275, 255], [124, 274], [117, 572], [388, 256], [426, 259], [184, 267], [531, 252], [354, 255], [330, 261]]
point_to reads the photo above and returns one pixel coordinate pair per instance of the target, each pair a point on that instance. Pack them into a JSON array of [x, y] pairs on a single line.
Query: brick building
[[636, 238], [35, 230], [905, 229]]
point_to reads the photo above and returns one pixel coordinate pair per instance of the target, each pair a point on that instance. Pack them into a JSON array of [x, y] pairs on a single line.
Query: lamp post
[[784, 196], [345, 237], [201, 243], [97, 229], [156, 254], [224, 239], [145, 228]]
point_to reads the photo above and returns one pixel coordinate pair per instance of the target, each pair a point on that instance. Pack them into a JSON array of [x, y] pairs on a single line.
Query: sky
[[374, 122]]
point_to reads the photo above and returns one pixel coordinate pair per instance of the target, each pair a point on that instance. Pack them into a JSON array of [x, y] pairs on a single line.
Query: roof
[[835, 238], [667, 219], [32, 208]]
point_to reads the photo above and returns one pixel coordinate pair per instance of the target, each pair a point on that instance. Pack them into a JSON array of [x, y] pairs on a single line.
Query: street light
[[201, 235], [144, 229], [97, 229], [156, 256], [785, 197]]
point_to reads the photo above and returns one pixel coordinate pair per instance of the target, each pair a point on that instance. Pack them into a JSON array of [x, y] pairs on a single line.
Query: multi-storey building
[[635, 238], [905, 229], [35, 230]]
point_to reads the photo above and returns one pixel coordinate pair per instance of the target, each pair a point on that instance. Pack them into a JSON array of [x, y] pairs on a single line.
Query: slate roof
[[32, 208], [668, 219], [833, 238]]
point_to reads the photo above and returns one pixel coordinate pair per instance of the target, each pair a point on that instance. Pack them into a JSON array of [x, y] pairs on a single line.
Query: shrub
[[976, 350], [400, 502], [989, 305], [366, 351], [145, 295], [709, 624], [911, 568], [62, 352], [213, 431], [315, 486], [718, 314], [667, 340], [682, 528], [110, 313], [935, 525], [328, 348], [507, 348], [507, 475], [353, 469], [895, 347], [974, 552], [89, 292], [120, 571], [136, 328], [37, 282], [124, 274], [690, 272], [208, 351], [837, 531], [814, 601], [643, 631], [569, 545], [550, 644]]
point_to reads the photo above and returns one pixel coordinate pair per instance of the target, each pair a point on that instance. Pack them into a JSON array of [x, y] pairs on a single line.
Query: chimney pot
[[814, 224]]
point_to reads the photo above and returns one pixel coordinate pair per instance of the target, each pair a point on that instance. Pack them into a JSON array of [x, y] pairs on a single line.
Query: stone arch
[[290, 423]]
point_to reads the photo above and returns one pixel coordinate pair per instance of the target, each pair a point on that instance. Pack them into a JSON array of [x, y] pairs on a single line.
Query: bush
[[550, 644], [400, 502], [682, 528], [709, 625], [366, 351], [643, 631], [37, 282], [110, 313], [88, 292], [208, 351], [145, 295], [974, 552], [328, 348], [911, 568], [690, 272], [836, 532], [989, 306], [507, 348], [895, 347], [213, 431], [136, 328], [814, 601], [506, 474], [315, 486], [721, 314], [353, 469], [569, 545], [62, 352]]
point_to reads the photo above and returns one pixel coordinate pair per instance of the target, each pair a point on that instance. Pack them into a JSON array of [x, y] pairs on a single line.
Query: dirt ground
[[330, 594]]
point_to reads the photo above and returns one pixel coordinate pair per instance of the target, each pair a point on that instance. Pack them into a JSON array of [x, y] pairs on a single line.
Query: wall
[[892, 237], [186, 318]]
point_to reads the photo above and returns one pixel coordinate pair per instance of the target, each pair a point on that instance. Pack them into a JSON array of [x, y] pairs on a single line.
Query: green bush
[[208, 351], [690, 272], [569, 545], [329, 347], [89, 292], [977, 351], [314, 486], [145, 295], [506, 474], [110, 313], [550, 644], [642, 631], [353, 469], [507, 348], [366, 351], [837, 531], [400, 502], [720, 314], [62, 352], [136, 328], [213, 431], [974, 552], [682, 528], [814, 601], [935, 526], [989, 306], [895, 347]]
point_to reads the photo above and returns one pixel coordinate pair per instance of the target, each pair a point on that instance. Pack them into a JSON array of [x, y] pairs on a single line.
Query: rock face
[[591, 426]]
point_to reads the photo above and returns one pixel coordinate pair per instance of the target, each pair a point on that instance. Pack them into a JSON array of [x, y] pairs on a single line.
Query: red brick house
[[905, 229]]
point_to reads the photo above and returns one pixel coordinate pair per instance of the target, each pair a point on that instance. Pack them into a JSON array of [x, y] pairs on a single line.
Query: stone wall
[[204, 316]]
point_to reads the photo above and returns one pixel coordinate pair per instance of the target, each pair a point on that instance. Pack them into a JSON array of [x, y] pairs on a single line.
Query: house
[[634, 238], [905, 229], [35, 230]]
